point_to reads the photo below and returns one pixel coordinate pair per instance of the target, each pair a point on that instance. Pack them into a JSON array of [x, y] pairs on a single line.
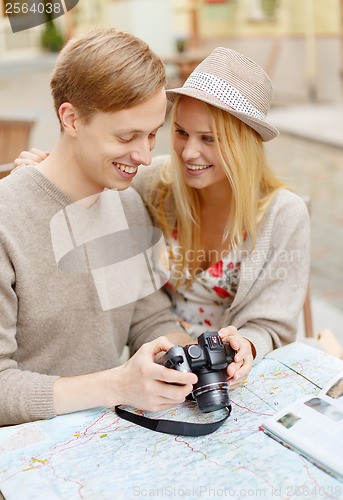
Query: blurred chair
[[308, 313], [5, 169], [325, 337], [307, 304], [185, 62], [14, 138]]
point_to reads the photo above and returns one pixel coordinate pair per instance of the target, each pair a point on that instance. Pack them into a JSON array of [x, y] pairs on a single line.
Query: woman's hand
[[238, 371], [32, 157]]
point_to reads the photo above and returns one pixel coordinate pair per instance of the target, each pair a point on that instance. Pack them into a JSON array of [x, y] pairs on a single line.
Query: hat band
[[223, 91]]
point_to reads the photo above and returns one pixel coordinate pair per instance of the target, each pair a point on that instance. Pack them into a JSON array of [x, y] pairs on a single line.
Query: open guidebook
[[313, 427]]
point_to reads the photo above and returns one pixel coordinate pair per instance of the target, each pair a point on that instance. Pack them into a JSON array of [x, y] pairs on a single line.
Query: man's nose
[[142, 155]]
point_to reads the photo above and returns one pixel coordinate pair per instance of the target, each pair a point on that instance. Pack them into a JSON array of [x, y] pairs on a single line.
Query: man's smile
[[128, 169]]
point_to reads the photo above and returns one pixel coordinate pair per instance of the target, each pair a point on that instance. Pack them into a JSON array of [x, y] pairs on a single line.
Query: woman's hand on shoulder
[[238, 371], [32, 157]]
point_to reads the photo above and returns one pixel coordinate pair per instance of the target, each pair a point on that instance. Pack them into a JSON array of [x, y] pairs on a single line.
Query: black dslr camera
[[208, 359]]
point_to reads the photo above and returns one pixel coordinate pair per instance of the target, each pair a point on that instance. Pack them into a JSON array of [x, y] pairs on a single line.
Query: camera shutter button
[[194, 351]]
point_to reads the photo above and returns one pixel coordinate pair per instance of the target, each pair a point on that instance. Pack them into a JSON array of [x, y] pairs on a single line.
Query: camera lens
[[212, 391]]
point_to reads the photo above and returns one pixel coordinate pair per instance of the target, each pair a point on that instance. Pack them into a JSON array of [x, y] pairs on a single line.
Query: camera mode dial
[[194, 351]]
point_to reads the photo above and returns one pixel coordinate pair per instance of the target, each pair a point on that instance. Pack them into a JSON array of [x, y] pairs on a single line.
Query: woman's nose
[[191, 151]]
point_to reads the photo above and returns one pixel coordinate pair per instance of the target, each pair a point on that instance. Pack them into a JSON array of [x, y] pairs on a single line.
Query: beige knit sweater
[[51, 321]]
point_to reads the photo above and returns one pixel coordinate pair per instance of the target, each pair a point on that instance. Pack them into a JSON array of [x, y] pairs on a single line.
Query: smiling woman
[[194, 144], [226, 216]]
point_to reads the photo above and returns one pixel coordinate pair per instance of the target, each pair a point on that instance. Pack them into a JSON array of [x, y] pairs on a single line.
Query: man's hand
[[238, 371], [142, 382]]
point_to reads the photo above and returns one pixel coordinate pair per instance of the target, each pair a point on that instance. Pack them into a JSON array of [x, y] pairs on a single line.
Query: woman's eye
[[206, 138], [181, 132]]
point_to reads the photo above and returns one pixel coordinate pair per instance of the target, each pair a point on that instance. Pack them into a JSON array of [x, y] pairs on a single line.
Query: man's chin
[[121, 185]]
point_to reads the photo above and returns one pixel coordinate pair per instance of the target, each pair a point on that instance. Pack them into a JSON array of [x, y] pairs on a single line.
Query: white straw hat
[[232, 82]]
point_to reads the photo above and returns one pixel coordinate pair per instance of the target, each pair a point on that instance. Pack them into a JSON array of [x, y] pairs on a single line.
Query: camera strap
[[172, 426]]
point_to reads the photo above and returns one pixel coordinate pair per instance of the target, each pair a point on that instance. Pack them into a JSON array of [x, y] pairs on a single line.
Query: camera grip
[[230, 353], [175, 359]]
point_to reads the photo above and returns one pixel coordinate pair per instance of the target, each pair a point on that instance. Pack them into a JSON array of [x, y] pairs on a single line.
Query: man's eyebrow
[[137, 131], [207, 132]]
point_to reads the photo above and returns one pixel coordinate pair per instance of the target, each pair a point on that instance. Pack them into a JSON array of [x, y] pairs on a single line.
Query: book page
[[333, 391], [314, 426]]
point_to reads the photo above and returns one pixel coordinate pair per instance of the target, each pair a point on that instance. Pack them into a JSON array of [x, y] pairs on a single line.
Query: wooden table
[[186, 61]]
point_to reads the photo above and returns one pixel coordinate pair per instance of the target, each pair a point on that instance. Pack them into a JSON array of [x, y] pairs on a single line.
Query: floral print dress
[[199, 306]]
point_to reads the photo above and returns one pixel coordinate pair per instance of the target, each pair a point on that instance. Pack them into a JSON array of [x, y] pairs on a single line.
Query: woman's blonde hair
[[105, 70], [250, 178]]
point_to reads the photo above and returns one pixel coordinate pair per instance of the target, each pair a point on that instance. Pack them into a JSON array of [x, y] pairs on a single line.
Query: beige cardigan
[[273, 278]]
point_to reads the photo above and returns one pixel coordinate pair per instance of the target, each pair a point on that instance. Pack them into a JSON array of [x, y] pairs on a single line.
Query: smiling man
[[59, 346], [106, 148]]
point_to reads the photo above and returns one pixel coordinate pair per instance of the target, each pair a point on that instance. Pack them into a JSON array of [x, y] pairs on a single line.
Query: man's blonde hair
[[105, 70]]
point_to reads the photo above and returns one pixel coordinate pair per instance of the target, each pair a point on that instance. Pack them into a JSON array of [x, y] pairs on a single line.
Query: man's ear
[[68, 115]]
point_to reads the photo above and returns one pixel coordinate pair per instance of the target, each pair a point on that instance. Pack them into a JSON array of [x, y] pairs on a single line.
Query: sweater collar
[[49, 187]]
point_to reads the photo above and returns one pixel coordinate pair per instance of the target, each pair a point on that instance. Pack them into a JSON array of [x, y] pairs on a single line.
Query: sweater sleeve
[[152, 319], [274, 278], [25, 396]]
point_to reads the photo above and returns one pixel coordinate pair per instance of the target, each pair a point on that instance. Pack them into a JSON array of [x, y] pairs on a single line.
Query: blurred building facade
[[299, 43]]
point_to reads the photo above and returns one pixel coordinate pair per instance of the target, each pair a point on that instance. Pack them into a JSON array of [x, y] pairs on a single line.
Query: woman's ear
[[68, 115]]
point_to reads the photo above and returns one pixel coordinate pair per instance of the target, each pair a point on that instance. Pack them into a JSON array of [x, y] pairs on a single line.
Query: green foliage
[[269, 7], [51, 38]]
